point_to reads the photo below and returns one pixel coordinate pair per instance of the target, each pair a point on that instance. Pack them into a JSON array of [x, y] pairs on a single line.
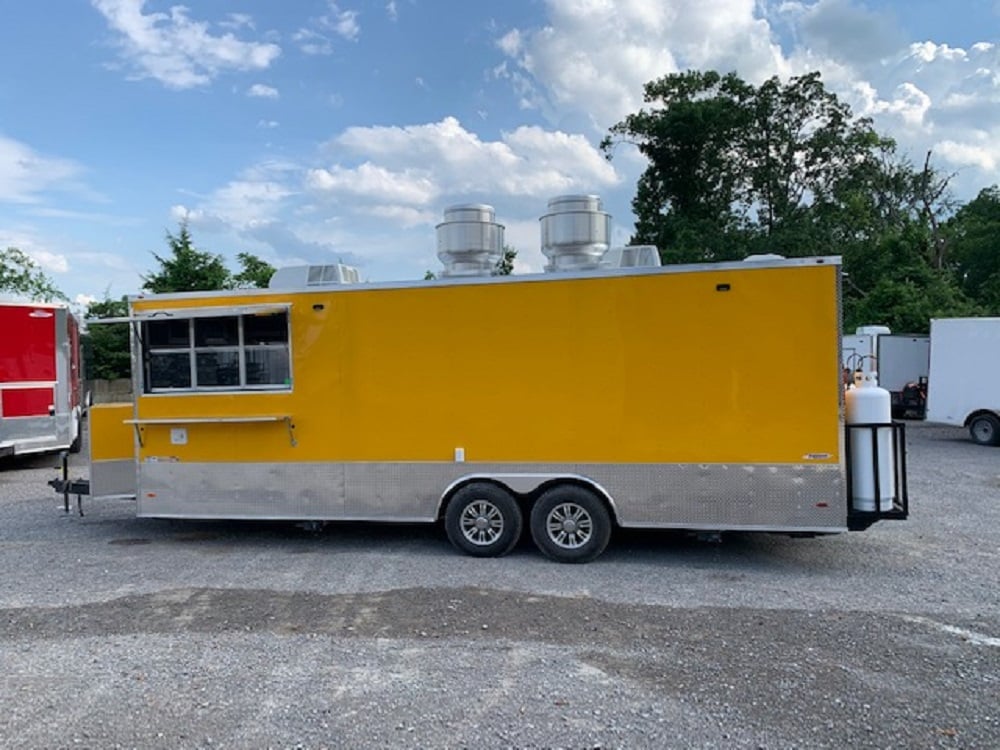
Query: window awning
[[186, 313]]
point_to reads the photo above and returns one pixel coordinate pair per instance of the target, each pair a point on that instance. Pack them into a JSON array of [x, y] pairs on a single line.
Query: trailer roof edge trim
[[736, 265]]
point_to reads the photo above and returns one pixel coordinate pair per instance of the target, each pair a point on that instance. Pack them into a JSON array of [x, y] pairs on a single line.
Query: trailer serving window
[[247, 350]]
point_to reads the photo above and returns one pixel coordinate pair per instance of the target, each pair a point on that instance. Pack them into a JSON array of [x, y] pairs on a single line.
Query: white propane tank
[[867, 403]]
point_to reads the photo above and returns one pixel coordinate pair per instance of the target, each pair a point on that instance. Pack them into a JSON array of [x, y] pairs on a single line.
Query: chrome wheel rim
[[569, 526], [481, 523]]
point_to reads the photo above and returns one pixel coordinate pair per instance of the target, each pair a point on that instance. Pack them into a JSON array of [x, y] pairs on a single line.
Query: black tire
[[984, 429], [570, 524], [483, 520]]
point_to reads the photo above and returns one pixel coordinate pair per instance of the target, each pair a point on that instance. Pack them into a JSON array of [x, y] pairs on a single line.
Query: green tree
[[897, 287], [687, 199], [505, 265], [254, 272], [186, 269], [735, 169], [801, 146], [106, 345], [974, 249], [20, 275]]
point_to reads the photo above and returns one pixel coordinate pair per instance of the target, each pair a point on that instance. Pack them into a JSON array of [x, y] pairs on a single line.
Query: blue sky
[[313, 131]]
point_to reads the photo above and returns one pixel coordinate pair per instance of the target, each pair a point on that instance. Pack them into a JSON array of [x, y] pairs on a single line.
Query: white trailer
[[964, 386], [902, 362]]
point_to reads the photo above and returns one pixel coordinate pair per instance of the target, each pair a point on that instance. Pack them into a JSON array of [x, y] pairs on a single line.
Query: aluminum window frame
[[191, 350]]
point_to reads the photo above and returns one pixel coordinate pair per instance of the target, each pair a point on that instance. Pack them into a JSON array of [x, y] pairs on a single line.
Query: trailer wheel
[[985, 429], [483, 520], [570, 524]]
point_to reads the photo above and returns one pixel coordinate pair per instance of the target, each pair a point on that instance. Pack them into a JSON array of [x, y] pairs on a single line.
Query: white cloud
[[262, 211], [177, 51], [314, 39], [25, 174], [590, 59], [374, 182], [259, 195], [344, 23], [943, 99], [238, 21], [510, 43], [392, 10], [910, 104], [261, 91], [35, 248], [982, 151], [201, 218], [594, 57], [312, 42], [403, 216], [553, 162], [453, 161], [845, 30], [50, 261]]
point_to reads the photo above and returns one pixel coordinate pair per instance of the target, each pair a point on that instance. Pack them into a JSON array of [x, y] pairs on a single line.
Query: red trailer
[[40, 405]]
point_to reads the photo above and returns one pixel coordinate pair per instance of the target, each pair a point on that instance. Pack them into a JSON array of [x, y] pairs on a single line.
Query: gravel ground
[[124, 632]]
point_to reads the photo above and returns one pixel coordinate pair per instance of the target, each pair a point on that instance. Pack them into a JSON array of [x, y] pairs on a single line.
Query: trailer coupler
[[66, 486]]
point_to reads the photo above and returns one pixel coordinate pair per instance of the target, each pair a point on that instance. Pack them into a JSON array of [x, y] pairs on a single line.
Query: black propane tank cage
[[859, 520]]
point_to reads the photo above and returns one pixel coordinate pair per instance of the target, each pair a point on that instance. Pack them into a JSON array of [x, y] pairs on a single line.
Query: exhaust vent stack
[[469, 240], [575, 233]]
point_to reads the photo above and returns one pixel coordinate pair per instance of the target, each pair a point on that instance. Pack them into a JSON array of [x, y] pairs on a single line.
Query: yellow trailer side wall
[[660, 367], [111, 438]]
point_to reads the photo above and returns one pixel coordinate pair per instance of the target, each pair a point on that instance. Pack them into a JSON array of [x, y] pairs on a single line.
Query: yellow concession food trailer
[[704, 397]]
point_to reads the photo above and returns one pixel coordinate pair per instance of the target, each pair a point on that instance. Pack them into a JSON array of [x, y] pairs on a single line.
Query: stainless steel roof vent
[[575, 233], [469, 240]]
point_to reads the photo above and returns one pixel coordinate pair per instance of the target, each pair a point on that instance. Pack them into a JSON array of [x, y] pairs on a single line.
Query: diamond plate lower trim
[[112, 478], [707, 496], [37, 434]]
